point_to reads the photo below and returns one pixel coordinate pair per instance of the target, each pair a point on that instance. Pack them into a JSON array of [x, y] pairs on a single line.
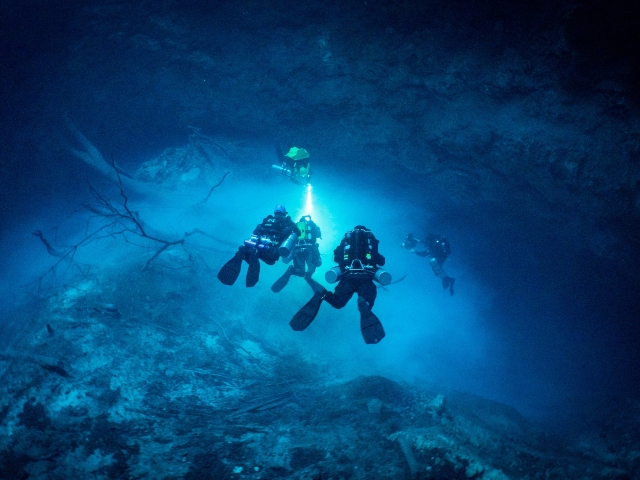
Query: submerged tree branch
[[213, 188], [119, 220]]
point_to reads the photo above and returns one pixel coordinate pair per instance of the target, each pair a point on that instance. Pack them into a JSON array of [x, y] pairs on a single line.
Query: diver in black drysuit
[[359, 264], [304, 253], [263, 245], [437, 248]]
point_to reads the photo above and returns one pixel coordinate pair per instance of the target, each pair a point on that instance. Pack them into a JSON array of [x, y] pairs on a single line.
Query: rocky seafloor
[[137, 376]]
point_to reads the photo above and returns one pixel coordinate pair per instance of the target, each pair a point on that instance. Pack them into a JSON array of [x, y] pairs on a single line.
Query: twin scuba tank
[[334, 274]]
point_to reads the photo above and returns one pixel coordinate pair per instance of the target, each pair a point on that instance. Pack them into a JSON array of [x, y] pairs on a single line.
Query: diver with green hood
[[294, 164], [304, 253], [266, 244]]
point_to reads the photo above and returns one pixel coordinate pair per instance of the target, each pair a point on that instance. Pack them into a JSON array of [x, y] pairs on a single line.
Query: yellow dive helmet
[[296, 153]]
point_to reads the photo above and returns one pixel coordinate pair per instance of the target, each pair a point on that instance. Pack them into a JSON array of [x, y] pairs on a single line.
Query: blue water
[[538, 321]]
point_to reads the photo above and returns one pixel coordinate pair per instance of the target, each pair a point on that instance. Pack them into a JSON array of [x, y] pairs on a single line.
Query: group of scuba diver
[[358, 260]]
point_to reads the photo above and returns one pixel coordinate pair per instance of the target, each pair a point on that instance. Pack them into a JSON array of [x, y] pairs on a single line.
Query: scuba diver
[[304, 253], [437, 248], [295, 165], [358, 266], [265, 244]]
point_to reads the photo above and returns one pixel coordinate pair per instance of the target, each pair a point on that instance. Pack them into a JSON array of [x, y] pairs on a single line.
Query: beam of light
[[313, 205], [308, 205]]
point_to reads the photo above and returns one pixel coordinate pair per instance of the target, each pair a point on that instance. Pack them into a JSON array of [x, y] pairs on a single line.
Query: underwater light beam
[[308, 206]]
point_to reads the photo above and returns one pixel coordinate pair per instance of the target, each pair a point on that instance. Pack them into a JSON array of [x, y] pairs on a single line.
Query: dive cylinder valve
[[285, 247]]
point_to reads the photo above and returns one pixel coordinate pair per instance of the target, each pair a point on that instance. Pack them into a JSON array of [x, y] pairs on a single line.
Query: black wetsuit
[[437, 250], [437, 247]]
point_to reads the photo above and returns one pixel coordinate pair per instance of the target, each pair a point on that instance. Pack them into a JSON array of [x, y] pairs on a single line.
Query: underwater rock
[[437, 405], [374, 405], [381, 388], [196, 402], [34, 415]]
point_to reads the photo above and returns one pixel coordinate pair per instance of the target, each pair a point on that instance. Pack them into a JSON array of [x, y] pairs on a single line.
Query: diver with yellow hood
[[295, 164], [302, 250]]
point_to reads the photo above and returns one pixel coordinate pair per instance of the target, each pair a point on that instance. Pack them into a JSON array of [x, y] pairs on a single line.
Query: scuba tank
[[333, 275], [382, 277], [284, 169], [287, 246], [436, 267]]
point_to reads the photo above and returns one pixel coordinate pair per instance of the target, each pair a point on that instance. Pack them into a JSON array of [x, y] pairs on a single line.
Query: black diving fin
[[253, 274], [230, 271], [282, 281], [370, 325], [307, 314]]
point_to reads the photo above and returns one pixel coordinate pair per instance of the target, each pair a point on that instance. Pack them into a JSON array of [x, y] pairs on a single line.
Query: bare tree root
[[115, 217], [84, 150], [87, 152], [239, 347], [129, 221], [50, 250], [119, 220], [212, 189], [203, 143], [67, 255]]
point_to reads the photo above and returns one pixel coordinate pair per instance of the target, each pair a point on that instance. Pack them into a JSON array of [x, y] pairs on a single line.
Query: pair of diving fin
[[370, 326], [230, 271], [447, 282]]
